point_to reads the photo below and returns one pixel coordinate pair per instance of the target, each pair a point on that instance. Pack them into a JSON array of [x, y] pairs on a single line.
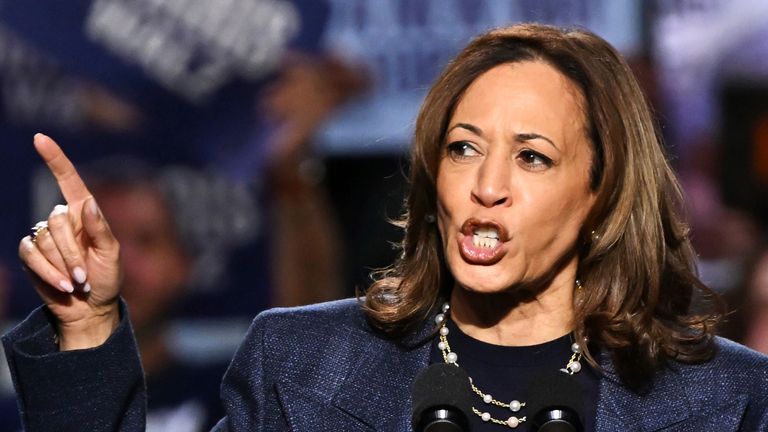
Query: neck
[[502, 319]]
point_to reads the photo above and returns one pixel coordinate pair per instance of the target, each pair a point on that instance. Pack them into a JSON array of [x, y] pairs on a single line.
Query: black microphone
[[441, 399], [557, 418], [558, 395]]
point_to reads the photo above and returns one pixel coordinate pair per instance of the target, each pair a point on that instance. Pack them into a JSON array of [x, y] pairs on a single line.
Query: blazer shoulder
[[329, 329], [346, 313], [734, 369], [733, 351], [733, 357]]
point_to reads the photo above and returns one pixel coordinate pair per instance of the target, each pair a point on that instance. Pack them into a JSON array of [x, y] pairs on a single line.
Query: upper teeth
[[485, 237], [487, 232]]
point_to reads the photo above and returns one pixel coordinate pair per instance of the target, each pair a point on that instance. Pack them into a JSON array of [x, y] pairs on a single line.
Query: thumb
[[96, 227]]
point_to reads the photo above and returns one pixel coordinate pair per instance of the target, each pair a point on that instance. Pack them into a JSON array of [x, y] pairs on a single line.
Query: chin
[[481, 289], [482, 279]]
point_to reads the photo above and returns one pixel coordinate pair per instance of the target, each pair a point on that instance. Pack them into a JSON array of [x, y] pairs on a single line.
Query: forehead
[[524, 95]]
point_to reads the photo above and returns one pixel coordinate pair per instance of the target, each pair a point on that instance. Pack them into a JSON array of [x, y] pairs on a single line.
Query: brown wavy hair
[[638, 271]]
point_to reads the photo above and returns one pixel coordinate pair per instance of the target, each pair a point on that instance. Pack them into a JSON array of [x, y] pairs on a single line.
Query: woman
[[541, 226]]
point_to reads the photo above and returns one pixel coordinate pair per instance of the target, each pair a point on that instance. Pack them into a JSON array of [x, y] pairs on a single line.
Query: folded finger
[[34, 260], [47, 247], [96, 227], [60, 228]]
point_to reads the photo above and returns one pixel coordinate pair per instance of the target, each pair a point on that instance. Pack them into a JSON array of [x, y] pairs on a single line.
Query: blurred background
[[248, 153]]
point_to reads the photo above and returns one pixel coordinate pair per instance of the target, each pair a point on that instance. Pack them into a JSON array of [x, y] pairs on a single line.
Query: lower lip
[[479, 255]]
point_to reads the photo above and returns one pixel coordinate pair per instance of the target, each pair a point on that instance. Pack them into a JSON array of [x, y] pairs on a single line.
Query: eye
[[533, 160], [461, 150]]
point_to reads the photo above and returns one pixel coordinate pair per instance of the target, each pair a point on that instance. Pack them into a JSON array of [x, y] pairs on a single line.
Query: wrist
[[89, 332]]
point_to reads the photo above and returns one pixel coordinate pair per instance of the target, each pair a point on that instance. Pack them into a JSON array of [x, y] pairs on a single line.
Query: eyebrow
[[520, 137], [523, 137], [472, 128]]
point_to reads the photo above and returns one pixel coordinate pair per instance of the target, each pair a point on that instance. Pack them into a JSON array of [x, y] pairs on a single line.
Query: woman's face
[[513, 179]]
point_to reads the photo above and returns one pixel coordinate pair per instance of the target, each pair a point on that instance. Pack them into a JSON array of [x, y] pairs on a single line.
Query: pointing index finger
[[70, 183]]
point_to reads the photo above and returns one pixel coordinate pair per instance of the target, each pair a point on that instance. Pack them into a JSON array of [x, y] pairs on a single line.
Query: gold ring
[[38, 229]]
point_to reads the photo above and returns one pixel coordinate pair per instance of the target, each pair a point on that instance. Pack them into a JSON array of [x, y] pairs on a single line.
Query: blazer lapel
[[673, 404], [385, 375], [727, 417], [619, 408], [305, 411]]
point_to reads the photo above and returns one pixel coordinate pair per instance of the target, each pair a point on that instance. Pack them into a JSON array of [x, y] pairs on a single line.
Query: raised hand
[[74, 258]]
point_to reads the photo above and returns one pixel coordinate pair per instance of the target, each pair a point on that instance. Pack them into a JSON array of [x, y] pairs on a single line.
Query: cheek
[[452, 204], [453, 187], [556, 219], [443, 204]]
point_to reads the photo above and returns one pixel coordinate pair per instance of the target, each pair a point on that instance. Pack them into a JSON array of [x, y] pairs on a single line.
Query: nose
[[493, 183]]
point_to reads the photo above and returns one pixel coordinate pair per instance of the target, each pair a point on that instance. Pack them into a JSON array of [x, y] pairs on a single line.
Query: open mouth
[[482, 241]]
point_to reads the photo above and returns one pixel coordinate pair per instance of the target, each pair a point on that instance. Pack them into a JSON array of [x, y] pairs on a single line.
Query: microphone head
[[441, 390], [556, 397], [556, 419]]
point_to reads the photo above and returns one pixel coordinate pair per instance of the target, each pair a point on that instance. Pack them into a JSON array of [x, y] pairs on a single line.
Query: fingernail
[[39, 136], [79, 274], [87, 287], [67, 286], [92, 207], [59, 209]]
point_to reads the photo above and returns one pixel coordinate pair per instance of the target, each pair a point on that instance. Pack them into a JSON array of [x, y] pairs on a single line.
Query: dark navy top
[[513, 373]]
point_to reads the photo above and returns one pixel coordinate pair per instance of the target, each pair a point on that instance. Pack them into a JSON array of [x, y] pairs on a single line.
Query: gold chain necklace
[[573, 366]]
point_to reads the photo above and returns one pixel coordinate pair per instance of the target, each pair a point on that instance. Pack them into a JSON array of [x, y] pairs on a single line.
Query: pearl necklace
[[573, 366]]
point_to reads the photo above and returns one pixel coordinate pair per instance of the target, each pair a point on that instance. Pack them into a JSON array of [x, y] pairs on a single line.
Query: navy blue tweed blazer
[[322, 368]]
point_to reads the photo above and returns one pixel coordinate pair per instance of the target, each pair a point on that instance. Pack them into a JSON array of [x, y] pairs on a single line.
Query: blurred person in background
[[156, 271], [748, 302], [725, 237], [756, 329], [306, 251]]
